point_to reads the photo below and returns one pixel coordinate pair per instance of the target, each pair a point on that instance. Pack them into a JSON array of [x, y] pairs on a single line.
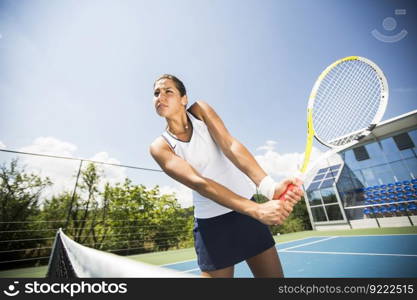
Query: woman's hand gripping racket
[[346, 103]]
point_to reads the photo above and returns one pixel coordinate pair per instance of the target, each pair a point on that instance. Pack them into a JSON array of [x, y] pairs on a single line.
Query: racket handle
[[290, 187]]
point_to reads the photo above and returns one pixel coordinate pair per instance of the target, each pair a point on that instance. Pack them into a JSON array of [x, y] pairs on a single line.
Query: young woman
[[197, 150]]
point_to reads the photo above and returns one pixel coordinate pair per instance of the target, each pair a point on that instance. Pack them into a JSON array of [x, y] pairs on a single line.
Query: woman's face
[[167, 98]]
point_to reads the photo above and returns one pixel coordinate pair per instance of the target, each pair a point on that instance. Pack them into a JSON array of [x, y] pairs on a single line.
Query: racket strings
[[359, 90], [342, 75], [323, 116], [346, 102]]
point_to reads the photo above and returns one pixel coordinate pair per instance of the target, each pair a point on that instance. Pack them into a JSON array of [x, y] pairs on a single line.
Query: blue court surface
[[338, 257]]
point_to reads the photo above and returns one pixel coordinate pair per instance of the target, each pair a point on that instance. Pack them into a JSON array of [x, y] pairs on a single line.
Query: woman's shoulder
[[159, 144], [199, 109]]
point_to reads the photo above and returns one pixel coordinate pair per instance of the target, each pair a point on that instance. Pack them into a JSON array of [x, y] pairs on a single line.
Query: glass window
[[354, 213], [318, 177], [318, 214], [411, 164], [369, 177], [330, 175], [314, 186], [400, 170], [413, 136], [376, 154], [350, 159], [328, 195], [360, 153], [409, 153], [322, 171], [383, 174], [314, 197], [359, 176], [333, 212], [327, 183], [390, 149], [335, 168], [403, 141]]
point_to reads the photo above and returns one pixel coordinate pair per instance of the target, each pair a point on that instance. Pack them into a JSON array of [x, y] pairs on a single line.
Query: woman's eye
[[156, 94]]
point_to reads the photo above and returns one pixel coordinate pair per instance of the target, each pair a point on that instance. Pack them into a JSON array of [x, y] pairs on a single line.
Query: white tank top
[[207, 158]]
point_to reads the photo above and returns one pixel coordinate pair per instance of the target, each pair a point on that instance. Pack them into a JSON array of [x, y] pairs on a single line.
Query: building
[[372, 184]]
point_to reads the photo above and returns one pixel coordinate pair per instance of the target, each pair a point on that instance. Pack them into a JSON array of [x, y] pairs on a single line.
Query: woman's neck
[[178, 124]]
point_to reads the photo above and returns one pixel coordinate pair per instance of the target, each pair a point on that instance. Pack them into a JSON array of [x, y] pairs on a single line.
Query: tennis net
[[70, 259]]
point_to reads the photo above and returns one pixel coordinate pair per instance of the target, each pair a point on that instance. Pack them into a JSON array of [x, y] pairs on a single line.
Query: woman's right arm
[[270, 213]]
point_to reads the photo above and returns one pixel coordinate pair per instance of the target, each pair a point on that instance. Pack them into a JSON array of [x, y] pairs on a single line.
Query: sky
[[76, 76]]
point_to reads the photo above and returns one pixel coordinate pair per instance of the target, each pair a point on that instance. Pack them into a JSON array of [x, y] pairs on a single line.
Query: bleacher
[[389, 200]]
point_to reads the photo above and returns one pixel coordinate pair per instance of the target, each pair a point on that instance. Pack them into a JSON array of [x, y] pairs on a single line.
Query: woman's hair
[[178, 83]]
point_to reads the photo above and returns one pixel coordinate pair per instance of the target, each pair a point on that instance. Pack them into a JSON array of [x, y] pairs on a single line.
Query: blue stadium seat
[[367, 211], [375, 187], [383, 186], [406, 182], [369, 194], [398, 189], [392, 196], [376, 194], [390, 185], [398, 183], [383, 210], [407, 188], [415, 186], [401, 208], [409, 194], [367, 202], [383, 192], [384, 197], [393, 209], [412, 207], [414, 181], [376, 210], [390, 191]]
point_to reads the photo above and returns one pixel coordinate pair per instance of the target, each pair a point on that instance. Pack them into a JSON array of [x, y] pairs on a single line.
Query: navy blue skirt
[[228, 239]]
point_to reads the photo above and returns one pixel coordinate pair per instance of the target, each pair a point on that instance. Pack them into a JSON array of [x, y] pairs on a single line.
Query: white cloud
[[62, 172], [2, 146], [112, 174], [183, 194], [281, 165]]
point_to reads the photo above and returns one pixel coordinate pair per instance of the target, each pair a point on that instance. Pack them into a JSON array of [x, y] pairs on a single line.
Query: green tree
[[20, 194]]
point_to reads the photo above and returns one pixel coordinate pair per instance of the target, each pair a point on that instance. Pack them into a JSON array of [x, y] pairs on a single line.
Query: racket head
[[347, 100]]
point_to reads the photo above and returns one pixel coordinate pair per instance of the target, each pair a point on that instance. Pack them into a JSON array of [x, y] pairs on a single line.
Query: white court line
[[352, 253], [306, 244], [192, 270], [178, 262], [297, 240], [360, 235]]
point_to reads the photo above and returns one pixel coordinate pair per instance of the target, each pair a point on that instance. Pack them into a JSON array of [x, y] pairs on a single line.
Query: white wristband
[[267, 187]]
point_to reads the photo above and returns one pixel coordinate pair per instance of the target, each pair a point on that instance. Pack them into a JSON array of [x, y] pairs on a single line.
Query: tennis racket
[[346, 103]]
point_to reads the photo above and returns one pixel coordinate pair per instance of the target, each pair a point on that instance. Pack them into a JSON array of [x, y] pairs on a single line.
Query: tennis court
[[384, 252], [339, 256]]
